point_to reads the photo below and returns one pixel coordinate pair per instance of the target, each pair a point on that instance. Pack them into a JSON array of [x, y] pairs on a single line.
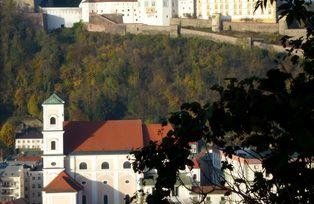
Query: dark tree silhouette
[[272, 116]]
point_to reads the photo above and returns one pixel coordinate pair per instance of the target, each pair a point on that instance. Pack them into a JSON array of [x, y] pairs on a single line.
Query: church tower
[[53, 155]]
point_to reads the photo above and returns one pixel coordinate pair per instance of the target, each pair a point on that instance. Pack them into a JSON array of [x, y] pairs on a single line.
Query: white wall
[[119, 181], [185, 7], [129, 10], [29, 143], [62, 17], [156, 12], [54, 198], [235, 10]]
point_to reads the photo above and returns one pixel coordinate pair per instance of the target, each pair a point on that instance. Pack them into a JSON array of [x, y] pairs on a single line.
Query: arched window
[[126, 165], [53, 145], [105, 199], [83, 199], [105, 165], [52, 121], [83, 165]]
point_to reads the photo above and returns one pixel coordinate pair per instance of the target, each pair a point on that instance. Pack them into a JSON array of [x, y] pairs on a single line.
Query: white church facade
[[87, 162]]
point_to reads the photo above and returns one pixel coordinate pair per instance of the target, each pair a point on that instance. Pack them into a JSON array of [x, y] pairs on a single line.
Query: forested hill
[[103, 76]]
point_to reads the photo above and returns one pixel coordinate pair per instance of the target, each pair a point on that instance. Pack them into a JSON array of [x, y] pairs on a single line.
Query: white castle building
[[159, 12], [150, 12], [236, 10]]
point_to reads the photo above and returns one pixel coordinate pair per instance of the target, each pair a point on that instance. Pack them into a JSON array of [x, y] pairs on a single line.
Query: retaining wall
[[189, 22], [210, 36], [250, 26]]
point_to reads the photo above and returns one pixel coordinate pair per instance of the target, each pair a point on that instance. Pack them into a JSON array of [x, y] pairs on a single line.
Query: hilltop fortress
[[157, 12]]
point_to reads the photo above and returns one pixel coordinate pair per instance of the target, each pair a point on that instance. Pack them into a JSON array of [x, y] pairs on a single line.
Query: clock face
[[53, 163]]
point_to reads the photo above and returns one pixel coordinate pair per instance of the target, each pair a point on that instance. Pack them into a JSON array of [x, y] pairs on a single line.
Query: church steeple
[[53, 155], [53, 113]]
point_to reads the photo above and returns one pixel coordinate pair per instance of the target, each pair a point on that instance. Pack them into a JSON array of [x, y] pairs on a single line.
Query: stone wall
[[98, 25], [296, 33], [188, 22], [37, 19], [113, 29], [250, 26], [151, 30], [210, 36]]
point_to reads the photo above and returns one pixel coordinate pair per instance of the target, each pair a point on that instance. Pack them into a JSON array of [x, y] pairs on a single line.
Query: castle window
[[53, 145], [83, 165], [105, 165], [126, 165], [52, 121], [105, 199]]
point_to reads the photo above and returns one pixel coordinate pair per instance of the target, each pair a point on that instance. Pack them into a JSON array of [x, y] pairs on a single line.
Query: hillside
[[104, 76]]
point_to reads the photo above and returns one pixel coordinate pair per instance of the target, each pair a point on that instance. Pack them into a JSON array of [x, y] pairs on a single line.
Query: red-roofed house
[[87, 162]]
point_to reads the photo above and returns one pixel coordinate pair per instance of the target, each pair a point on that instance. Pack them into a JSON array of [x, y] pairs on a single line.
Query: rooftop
[[63, 183], [32, 133], [53, 99], [110, 136], [10, 171]]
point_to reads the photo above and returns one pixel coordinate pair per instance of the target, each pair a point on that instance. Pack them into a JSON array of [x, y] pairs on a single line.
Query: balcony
[[9, 185], [7, 192]]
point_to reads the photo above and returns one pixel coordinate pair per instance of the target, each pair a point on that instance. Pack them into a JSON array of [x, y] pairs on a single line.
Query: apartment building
[[11, 182]]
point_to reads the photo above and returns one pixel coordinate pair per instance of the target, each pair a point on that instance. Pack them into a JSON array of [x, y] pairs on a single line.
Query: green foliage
[[109, 76], [32, 106], [113, 77], [7, 134]]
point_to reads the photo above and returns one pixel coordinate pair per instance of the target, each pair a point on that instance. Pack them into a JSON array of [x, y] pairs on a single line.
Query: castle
[[157, 12]]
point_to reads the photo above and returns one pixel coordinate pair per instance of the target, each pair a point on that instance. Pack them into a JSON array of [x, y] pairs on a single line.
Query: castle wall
[[61, 17], [190, 22], [250, 26]]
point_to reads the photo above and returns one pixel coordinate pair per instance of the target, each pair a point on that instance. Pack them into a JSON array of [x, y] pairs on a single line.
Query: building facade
[[33, 186], [150, 12], [88, 162], [186, 9], [236, 10]]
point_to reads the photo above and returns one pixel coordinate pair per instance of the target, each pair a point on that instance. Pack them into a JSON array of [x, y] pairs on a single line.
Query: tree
[[271, 116], [32, 106], [7, 135]]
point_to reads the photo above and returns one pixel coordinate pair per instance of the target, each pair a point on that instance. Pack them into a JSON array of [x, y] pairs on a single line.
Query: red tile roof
[[63, 183], [155, 132], [112, 135], [29, 158]]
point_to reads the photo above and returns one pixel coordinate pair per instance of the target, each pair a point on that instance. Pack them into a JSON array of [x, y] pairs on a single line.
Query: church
[[87, 162]]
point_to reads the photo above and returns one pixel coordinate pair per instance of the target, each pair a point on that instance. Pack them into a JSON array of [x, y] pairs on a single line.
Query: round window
[[127, 181], [105, 182], [53, 164], [83, 182]]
